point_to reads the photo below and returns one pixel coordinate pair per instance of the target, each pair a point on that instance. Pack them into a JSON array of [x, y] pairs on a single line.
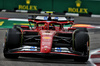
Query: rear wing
[[51, 18]]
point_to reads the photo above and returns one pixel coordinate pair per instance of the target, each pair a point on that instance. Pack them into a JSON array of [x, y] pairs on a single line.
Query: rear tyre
[[12, 40], [82, 45]]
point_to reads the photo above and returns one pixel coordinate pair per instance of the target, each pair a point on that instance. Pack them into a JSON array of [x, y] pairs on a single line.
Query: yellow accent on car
[[45, 49], [46, 37]]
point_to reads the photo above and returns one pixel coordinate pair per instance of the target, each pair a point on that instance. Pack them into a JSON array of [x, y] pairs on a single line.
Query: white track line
[[71, 14], [16, 19], [95, 15]]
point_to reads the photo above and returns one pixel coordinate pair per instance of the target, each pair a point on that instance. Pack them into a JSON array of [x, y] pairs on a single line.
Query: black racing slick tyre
[[12, 40], [82, 45], [9, 56]]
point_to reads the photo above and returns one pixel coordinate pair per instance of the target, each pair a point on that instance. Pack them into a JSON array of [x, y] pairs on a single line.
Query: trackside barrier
[[82, 7]]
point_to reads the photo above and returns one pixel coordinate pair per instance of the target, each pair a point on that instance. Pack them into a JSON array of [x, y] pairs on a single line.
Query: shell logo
[[46, 37], [28, 1], [78, 3]]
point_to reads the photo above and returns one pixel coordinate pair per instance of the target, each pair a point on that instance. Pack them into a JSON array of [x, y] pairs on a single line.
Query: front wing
[[36, 50]]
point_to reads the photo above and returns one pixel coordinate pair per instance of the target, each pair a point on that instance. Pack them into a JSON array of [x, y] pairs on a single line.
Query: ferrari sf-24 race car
[[47, 35]]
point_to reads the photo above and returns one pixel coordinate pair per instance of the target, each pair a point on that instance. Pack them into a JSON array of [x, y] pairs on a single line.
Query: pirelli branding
[[27, 6], [78, 8]]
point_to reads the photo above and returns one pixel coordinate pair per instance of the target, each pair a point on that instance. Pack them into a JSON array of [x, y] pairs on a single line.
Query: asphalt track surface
[[41, 61]]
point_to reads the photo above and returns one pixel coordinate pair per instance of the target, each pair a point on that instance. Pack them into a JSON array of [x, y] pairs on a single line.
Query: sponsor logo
[[61, 49], [27, 6], [78, 8], [78, 3], [44, 43], [28, 1], [47, 34], [46, 37], [29, 48]]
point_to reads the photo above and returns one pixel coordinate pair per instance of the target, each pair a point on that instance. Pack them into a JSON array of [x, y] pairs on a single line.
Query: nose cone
[[46, 44], [46, 40], [46, 49]]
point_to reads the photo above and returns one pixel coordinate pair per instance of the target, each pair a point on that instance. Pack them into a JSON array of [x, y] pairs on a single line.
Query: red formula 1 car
[[47, 35]]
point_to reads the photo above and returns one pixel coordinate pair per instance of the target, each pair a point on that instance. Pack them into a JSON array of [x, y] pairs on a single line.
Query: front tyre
[[9, 56], [82, 45], [12, 40]]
